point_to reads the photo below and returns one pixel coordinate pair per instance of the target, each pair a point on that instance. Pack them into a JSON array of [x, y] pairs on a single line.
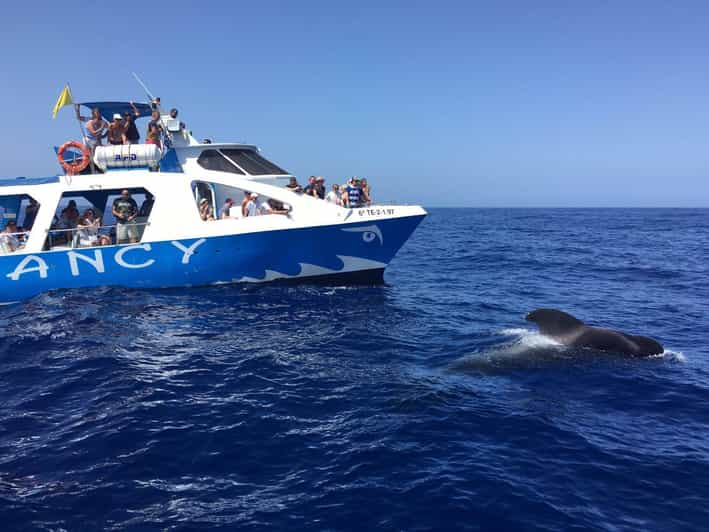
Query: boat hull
[[353, 253]]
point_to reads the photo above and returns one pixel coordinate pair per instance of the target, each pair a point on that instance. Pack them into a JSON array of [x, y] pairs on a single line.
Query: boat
[[177, 239]]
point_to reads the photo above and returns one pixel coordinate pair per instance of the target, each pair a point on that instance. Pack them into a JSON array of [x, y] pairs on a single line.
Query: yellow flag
[[64, 99]]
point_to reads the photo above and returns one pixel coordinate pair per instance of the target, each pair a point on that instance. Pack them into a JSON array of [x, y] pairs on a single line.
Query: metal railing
[[72, 237]]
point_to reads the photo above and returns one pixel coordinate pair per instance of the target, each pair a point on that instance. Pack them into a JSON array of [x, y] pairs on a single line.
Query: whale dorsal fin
[[554, 322]]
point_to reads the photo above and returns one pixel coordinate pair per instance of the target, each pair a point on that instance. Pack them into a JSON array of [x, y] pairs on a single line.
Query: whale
[[570, 331]]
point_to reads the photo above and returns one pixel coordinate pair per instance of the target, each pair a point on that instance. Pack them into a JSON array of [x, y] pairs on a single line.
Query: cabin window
[[17, 215], [213, 160], [100, 218], [221, 202], [252, 161]]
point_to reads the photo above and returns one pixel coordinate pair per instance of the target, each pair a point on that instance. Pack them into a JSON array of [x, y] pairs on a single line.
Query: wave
[[524, 347], [672, 356]]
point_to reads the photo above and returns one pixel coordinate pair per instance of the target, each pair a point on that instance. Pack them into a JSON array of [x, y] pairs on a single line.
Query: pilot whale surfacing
[[568, 330]]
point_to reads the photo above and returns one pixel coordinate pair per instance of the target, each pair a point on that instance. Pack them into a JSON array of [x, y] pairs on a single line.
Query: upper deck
[[179, 150]]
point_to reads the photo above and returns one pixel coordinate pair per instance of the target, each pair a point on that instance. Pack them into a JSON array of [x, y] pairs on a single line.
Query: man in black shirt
[[125, 210], [131, 135], [310, 189]]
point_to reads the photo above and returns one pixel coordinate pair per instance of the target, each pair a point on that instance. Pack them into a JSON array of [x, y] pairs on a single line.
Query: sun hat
[[117, 116], [203, 200]]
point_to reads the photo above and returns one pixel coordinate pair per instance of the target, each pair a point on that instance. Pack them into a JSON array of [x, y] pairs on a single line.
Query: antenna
[[140, 81]]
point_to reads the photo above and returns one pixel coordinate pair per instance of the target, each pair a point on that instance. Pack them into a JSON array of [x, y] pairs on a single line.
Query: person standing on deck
[[131, 135], [96, 128], [155, 130], [125, 210], [116, 130]]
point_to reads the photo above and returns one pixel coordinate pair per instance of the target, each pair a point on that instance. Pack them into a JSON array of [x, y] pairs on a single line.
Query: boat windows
[[212, 200], [213, 160], [251, 161], [17, 215], [100, 218]]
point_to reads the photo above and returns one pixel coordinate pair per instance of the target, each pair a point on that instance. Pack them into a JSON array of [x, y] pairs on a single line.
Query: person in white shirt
[[9, 240], [334, 195], [251, 207]]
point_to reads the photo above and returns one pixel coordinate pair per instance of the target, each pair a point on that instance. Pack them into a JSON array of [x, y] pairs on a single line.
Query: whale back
[[554, 322]]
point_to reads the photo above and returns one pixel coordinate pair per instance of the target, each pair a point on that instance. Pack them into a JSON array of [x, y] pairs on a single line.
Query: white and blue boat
[[170, 244]]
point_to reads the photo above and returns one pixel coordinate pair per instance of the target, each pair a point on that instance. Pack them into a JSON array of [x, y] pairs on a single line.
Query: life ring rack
[[77, 165]]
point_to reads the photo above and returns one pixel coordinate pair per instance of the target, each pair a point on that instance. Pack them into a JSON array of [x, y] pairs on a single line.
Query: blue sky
[[440, 103]]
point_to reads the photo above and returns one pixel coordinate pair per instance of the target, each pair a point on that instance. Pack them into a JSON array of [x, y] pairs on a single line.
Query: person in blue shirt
[[311, 188], [353, 193], [224, 211]]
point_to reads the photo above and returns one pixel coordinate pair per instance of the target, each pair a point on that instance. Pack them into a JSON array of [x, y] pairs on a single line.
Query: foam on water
[[674, 356]]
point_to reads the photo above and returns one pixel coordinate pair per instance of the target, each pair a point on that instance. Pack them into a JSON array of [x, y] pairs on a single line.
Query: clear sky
[[504, 103]]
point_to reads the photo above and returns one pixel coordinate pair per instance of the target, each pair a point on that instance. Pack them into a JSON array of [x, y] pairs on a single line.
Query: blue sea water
[[425, 404]]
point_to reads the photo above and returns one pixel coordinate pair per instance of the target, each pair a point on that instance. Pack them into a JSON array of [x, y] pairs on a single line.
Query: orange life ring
[[77, 165]]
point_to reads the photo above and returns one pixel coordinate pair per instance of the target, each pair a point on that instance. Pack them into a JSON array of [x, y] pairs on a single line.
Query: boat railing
[[70, 238]]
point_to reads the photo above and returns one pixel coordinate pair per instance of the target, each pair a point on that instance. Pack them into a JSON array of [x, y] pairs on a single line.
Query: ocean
[[425, 404]]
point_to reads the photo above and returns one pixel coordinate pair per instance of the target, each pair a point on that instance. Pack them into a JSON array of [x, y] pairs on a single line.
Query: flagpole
[[76, 108], [143, 85]]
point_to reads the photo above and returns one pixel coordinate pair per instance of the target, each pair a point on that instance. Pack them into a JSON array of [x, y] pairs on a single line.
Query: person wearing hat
[[205, 211], [251, 208], [116, 129]]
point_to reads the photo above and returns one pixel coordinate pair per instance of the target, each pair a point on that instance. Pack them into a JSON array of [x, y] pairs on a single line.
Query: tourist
[[205, 210], [226, 208], [66, 223], [294, 186], [366, 192], [311, 188], [273, 206], [9, 241], [89, 231], [155, 130], [173, 114], [130, 132], [334, 195], [320, 187], [95, 131], [31, 214], [247, 198], [69, 215], [116, 130], [125, 210], [251, 207], [147, 206], [353, 193]]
